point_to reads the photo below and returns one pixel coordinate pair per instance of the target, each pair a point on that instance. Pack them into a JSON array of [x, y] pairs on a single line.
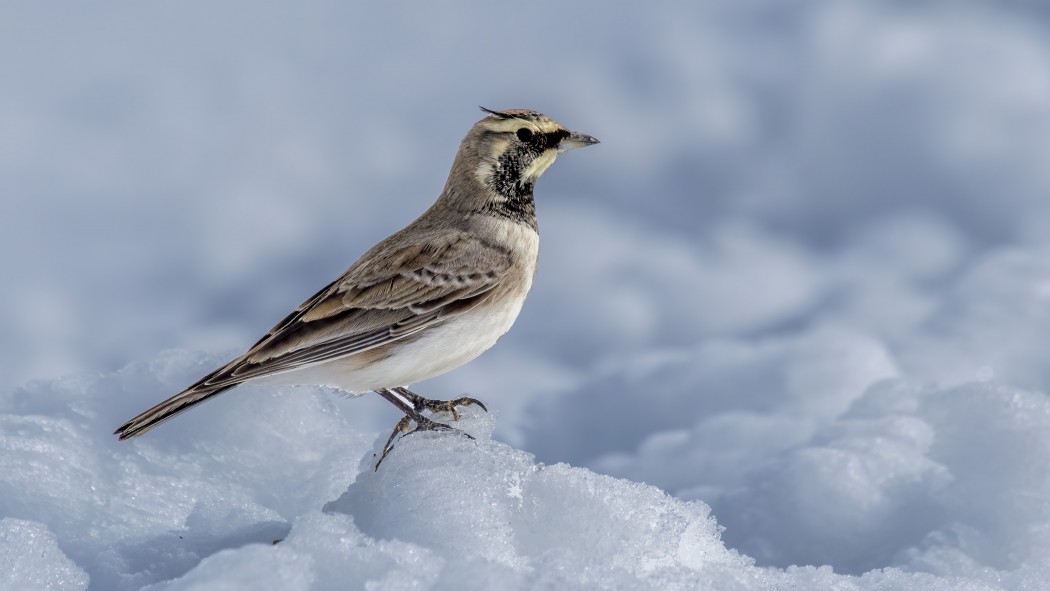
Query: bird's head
[[510, 149]]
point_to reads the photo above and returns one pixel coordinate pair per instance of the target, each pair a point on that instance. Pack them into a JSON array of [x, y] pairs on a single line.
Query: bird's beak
[[576, 140]]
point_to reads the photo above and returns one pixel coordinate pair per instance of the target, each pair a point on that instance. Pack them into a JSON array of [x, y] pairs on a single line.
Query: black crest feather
[[496, 113]]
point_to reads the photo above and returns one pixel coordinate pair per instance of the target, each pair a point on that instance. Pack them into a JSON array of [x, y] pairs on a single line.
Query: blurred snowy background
[[802, 286]]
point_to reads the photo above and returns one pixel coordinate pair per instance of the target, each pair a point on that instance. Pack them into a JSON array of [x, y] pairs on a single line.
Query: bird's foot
[[436, 406], [412, 404], [449, 406], [422, 424]]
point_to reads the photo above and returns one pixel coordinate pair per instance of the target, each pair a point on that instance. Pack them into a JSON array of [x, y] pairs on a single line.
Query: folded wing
[[387, 295]]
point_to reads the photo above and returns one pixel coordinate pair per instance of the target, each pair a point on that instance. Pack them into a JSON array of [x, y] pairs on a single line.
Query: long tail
[[189, 397]]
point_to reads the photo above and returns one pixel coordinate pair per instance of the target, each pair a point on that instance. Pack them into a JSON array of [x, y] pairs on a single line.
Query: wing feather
[[389, 294]]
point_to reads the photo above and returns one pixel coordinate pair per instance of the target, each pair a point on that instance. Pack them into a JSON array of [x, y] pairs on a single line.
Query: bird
[[425, 300]]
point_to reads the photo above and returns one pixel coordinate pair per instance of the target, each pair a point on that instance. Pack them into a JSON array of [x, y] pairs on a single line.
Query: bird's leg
[[407, 406], [448, 406], [400, 427]]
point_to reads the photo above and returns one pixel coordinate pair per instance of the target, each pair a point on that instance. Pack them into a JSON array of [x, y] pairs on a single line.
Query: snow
[[911, 486], [789, 329], [31, 559]]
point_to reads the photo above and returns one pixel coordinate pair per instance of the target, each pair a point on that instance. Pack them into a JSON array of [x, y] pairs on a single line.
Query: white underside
[[440, 349]]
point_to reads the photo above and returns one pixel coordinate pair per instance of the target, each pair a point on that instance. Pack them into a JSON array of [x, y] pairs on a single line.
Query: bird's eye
[[524, 134]]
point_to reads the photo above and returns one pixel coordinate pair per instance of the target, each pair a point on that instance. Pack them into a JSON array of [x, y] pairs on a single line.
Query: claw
[[449, 406]]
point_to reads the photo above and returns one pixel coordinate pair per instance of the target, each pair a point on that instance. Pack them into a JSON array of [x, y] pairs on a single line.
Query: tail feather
[[184, 400]]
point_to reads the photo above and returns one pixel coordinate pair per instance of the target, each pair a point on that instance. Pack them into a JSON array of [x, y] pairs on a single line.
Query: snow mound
[[494, 504], [278, 489], [31, 559]]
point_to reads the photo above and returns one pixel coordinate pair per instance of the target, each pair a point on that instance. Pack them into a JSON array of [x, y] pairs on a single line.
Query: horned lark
[[426, 300]]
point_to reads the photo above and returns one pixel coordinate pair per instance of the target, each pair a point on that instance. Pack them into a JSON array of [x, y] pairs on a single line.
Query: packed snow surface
[[790, 328], [907, 485]]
